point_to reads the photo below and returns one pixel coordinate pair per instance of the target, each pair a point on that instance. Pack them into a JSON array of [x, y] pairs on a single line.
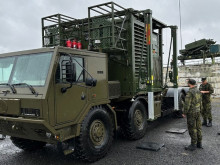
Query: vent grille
[[138, 38]]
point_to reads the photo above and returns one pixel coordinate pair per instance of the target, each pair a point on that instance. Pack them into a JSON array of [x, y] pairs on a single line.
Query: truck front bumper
[[28, 129]]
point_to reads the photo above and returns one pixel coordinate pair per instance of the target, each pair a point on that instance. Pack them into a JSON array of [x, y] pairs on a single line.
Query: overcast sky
[[21, 19]]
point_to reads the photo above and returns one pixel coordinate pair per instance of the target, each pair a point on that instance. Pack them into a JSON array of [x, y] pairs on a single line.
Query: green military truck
[[78, 98]]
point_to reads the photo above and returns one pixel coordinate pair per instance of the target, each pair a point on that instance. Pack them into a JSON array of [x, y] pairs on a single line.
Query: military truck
[[78, 98], [201, 49]]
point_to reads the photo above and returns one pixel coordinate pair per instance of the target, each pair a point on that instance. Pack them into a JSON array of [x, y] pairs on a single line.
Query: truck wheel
[[26, 144], [135, 121], [96, 135]]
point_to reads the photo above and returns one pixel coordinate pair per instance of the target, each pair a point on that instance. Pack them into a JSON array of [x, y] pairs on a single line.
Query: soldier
[[206, 89], [192, 108]]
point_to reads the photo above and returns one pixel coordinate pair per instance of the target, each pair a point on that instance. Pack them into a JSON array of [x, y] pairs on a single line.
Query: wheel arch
[[110, 110], [112, 114], [170, 92], [168, 100]]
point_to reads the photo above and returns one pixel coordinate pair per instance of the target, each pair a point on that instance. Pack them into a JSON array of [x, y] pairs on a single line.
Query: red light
[[68, 44], [74, 44], [79, 45]]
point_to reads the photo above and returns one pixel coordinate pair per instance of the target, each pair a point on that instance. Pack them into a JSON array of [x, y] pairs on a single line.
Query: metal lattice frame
[[106, 23], [56, 29]]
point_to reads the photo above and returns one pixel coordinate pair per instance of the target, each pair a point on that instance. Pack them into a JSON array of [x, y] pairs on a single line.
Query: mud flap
[[176, 99], [151, 105]]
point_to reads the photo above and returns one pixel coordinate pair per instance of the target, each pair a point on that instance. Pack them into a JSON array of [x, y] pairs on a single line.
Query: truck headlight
[[30, 112]]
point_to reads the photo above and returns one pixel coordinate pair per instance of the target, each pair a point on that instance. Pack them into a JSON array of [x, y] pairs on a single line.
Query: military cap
[[203, 78], [192, 81]]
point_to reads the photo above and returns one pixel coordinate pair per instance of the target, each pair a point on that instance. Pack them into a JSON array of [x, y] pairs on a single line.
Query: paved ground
[[124, 152]]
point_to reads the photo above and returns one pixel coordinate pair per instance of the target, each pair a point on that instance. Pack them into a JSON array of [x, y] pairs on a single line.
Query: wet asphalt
[[124, 152]]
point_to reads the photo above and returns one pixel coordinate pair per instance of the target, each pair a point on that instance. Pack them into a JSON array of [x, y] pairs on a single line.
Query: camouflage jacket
[[193, 101], [206, 96]]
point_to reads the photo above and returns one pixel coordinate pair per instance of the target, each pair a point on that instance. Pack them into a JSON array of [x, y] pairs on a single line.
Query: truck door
[[68, 105]]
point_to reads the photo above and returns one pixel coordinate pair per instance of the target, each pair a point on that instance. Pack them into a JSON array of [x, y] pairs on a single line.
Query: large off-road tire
[[96, 135], [26, 144], [135, 121]]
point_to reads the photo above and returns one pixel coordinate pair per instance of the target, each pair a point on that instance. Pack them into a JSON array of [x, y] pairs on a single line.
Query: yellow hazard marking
[[152, 78]]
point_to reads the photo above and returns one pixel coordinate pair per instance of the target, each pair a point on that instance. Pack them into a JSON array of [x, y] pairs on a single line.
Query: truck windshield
[[31, 69]]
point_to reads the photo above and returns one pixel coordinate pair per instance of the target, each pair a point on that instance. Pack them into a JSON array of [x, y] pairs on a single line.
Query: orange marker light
[[57, 137]]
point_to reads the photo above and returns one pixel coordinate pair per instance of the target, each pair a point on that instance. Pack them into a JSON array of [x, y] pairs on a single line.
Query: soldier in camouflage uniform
[[192, 110], [206, 89]]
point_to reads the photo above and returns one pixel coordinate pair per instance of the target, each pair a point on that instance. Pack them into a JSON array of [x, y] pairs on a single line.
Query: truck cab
[[35, 88]]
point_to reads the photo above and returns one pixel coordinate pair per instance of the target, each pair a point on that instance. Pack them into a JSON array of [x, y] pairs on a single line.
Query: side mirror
[[70, 72], [91, 82]]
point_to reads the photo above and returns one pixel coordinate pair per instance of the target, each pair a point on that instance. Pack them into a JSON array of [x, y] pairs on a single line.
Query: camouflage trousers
[[194, 127], [206, 112]]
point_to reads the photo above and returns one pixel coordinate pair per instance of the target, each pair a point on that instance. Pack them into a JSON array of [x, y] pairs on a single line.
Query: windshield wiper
[[11, 86], [29, 86]]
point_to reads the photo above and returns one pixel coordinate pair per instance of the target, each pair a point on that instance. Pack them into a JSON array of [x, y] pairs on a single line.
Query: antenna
[[180, 23]]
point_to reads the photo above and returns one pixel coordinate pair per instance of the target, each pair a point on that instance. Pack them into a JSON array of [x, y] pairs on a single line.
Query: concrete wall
[[212, 72]]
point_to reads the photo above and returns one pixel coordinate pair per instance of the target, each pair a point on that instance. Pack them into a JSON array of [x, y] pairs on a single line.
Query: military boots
[[209, 124], [199, 145], [191, 147]]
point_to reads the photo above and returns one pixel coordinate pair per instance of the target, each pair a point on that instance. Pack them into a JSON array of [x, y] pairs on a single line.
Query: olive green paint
[[127, 59]]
